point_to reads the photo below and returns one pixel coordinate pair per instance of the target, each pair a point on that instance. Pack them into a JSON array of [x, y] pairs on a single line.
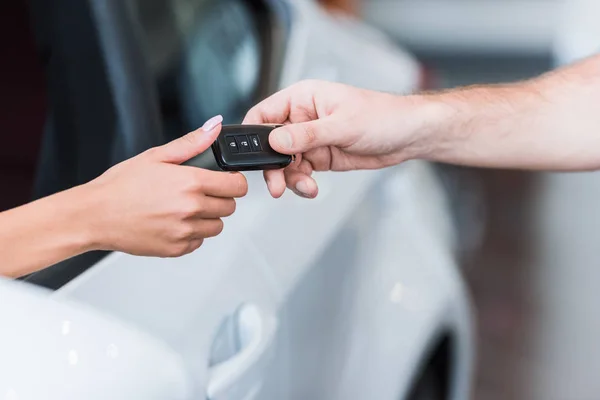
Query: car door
[[331, 286], [243, 311], [215, 308]]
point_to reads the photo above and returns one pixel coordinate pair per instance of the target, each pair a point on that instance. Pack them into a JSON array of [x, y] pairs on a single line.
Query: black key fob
[[246, 148]]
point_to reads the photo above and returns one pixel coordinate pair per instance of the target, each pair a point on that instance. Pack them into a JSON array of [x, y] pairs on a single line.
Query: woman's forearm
[[148, 205], [548, 123], [44, 232]]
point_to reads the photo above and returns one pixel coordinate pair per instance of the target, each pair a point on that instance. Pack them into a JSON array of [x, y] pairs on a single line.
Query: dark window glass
[[22, 105], [206, 58]]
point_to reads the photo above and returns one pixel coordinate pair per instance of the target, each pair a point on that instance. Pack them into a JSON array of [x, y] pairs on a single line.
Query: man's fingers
[[220, 184], [275, 180], [291, 177], [296, 180], [305, 167], [189, 146], [301, 184], [295, 103], [273, 110], [302, 137]]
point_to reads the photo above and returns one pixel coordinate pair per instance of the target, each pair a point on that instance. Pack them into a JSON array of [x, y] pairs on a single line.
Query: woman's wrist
[[46, 231], [82, 209]]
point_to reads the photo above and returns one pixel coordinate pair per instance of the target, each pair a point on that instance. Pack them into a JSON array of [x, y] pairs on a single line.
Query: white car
[[353, 295]]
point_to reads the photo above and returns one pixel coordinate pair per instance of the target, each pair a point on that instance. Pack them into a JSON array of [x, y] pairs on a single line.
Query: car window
[[206, 58]]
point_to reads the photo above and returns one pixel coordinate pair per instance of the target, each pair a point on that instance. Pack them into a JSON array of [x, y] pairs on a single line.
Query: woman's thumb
[[190, 145]]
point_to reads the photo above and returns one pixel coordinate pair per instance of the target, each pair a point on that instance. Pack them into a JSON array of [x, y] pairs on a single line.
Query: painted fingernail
[[303, 189], [283, 138], [212, 123]]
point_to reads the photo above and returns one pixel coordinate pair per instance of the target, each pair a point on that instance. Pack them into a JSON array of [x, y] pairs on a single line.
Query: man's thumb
[[190, 145], [301, 137]]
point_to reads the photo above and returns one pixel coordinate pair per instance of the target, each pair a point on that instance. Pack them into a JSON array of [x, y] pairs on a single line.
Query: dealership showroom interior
[[299, 199]]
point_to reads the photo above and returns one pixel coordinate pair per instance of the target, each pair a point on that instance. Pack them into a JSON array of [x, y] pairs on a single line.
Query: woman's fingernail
[[212, 123], [283, 138], [303, 189]]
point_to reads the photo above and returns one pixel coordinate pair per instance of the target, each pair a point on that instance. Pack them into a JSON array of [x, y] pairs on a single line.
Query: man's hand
[[333, 127], [547, 123], [150, 205]]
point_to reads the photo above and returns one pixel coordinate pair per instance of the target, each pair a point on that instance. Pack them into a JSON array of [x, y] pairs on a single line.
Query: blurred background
[[529, 240], [530, 260]]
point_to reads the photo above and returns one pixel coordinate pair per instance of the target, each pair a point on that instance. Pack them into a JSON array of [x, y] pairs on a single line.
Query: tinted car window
[[206, 57], [203, 57]]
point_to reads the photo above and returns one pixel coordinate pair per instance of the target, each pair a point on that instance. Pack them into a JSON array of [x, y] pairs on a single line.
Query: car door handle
[[241, 376]]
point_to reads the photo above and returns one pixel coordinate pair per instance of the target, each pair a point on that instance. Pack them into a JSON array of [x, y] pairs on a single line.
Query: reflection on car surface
[[352, 295]]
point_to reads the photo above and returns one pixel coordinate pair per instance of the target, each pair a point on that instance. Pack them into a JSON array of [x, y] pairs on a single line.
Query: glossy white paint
[[343, 294], [56, 349]]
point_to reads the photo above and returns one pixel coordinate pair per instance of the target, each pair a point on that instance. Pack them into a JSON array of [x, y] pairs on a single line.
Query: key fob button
[[232, 145], [243, 143], [246, 148], [255, 143]]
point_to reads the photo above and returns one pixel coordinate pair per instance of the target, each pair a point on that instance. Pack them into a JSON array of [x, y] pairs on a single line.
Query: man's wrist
[[421, 118], [464, 125]]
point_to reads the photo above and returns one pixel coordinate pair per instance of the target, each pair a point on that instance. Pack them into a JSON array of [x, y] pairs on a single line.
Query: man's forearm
[[45, 232], [548, 123]]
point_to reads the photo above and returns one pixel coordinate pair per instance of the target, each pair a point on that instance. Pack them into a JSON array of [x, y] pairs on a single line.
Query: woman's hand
[[150, 205], [335, 127]]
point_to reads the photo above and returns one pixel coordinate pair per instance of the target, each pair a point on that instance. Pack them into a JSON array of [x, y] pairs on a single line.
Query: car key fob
[[246, 148]]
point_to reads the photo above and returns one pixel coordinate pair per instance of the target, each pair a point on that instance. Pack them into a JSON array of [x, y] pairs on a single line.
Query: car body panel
[[56, 349], [355, 285], [383, 284]]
